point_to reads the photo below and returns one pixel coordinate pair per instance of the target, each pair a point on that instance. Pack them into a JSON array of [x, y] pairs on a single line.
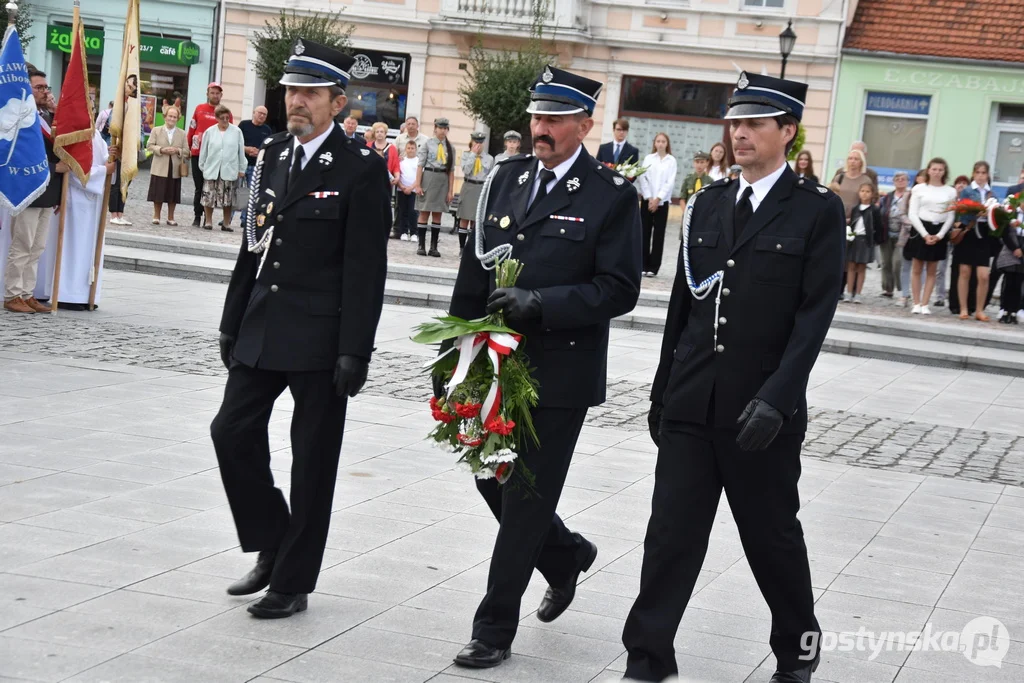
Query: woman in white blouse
[[655, 188], [719, 167], [931, 215]]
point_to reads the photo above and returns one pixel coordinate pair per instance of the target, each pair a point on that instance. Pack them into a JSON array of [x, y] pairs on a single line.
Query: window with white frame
[[774, 4], [894, 131]]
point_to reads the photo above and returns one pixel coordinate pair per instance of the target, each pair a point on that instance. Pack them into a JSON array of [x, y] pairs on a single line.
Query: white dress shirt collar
[[761, 187], [559, 171], [310, 148], [984, 190]]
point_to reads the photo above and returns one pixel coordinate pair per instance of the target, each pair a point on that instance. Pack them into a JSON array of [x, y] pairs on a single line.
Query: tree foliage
[[23, 22], [275, 41], [798, 143], [496, 86]]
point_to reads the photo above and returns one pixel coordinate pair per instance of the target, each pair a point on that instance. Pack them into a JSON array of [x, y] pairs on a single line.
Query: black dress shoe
[[799, 676], [257, 579], [276, 605], [557, 600], [480, 655]]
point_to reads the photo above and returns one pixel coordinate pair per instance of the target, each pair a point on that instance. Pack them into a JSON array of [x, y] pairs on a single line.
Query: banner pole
[[60, 242], [101, 233]]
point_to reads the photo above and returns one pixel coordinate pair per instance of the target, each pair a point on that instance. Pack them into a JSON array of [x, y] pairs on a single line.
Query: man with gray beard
[[301, 313]]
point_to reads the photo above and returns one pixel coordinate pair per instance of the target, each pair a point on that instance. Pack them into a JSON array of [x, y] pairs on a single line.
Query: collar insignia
[[618, 180], [572, 185], [365, 152], [283, 155], [326, 158], [523, 178]]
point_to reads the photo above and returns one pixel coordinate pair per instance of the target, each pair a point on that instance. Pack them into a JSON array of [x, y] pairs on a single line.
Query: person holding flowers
[[572, 229], [973, 244]]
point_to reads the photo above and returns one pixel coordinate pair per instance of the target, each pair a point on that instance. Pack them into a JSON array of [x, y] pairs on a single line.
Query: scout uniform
[[755, 291], [577, 232], [301, 313], [436, 162], [694, 181], [475, 168], [509, 135]]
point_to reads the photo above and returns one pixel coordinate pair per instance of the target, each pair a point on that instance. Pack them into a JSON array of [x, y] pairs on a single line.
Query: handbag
[[184, 167]]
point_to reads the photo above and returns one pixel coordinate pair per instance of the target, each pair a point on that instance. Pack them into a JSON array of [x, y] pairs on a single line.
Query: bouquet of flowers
[[631, 170], [1000, 215], [484, 416]]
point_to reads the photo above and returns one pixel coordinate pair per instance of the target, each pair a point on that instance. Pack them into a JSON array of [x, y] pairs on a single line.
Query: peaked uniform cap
[[477, 137], [313, 65], [758, 96], [557, 91]]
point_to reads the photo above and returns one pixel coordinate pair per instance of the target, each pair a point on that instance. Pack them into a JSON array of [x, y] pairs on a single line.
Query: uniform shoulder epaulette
[[814, 188], [718, 184], [515, 159], [610, 176], [276, 138]]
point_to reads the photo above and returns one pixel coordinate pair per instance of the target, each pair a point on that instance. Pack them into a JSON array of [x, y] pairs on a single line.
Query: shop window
[[894, 129]]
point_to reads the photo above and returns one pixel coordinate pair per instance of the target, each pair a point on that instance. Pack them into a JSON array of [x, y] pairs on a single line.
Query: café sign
[[151, 48]]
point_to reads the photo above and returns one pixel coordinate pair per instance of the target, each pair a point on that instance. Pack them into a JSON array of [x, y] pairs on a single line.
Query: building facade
[[951, 87], [667, 65], [176, 48]]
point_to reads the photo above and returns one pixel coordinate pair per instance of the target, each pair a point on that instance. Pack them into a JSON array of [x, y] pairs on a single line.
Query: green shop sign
[[152, 48]]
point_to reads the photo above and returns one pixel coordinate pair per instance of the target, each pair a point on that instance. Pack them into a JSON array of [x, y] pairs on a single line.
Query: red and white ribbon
[[499, 344]]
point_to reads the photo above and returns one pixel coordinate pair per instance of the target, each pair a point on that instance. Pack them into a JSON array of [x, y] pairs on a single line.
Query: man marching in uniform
[[301, 313], [756, 288], [575, 226]]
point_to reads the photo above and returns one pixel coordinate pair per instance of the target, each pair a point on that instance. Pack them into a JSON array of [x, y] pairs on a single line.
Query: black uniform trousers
[[197, 198], [240, 438], [653, 225], [530, 535], [695, 462]]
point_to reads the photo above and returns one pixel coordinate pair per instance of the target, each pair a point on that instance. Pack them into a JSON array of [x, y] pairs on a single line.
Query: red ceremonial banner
[[73, 125]]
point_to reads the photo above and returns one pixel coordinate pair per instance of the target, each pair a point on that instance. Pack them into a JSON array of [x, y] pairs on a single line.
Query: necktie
[[618, 151], [744, 210], [296, 169], [697, 185], [546, 177], [477, 167], [441, 157]]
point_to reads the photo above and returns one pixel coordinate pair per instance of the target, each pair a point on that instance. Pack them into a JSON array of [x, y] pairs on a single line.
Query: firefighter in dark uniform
[[575, 225], [757, 284], [301, 313]]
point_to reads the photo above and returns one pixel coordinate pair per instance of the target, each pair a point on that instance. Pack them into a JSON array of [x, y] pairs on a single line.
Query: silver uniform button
[[725, 292], [280, 216], [730, 263], [520, 237], [778, 247], [700, 240], [722, 321], [277, 264], [278, 241], [720, 348], [562, 231], [273, 288], [572, 343]]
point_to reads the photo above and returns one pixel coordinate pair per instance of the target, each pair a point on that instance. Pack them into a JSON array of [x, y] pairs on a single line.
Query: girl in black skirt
[[866, 228], [974, 251], [931, 214]]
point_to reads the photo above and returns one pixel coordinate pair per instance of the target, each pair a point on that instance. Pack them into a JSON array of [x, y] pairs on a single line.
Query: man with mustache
[[301, 313], [575, 226], [756, 288]]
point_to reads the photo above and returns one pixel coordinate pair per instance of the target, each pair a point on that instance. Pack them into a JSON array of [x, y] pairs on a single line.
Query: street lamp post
[[787, 39]]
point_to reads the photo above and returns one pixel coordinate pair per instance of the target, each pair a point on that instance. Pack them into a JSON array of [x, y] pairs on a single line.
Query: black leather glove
[[654, 422], [227, 345], [350, 375], [516, 303], [437, 381], [760, 425]]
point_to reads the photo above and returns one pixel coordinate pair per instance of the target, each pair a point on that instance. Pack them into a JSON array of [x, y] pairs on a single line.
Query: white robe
[[81, 227]]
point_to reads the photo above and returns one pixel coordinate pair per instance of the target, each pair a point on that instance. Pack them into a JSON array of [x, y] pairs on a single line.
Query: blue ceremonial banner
[[24, 170]]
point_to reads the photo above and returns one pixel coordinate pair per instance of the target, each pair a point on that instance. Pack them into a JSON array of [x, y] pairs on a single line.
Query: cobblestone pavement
[[833, 435]]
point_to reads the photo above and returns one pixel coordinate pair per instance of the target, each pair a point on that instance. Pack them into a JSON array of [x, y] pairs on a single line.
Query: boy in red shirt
[[202, 118]]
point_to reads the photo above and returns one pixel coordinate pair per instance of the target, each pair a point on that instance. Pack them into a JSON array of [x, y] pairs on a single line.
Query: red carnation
[[468, 410], [469, 441], [498, 426], [438, 411]]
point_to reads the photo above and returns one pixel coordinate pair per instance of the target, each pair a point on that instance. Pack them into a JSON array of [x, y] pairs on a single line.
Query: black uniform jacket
[[320, 292], [782, 282], [580, 247]]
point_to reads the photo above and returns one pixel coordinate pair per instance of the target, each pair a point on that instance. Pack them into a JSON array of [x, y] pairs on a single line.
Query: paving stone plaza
[[116, 543]]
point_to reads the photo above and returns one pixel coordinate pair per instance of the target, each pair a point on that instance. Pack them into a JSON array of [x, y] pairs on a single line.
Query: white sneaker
[[916, 309], [925, 310], [857, 301], [404, 237]]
